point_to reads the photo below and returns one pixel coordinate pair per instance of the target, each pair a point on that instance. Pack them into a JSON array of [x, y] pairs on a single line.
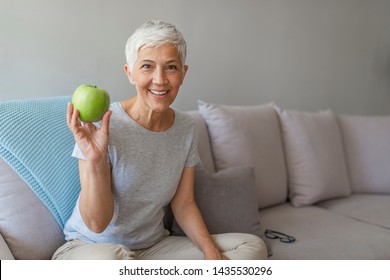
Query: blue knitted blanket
[[36, 142]]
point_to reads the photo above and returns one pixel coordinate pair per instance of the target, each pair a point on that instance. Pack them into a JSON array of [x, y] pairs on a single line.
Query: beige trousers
[[236, 246]]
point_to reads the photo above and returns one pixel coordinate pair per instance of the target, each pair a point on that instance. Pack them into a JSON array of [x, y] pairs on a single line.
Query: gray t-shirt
[[146, 169]]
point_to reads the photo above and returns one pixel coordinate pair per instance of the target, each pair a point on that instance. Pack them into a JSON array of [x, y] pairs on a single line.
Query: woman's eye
[[146, 66], [171, 67]]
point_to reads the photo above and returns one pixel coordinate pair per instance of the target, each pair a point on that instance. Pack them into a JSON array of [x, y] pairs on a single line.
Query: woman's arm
[[189, 218], [96, 203]]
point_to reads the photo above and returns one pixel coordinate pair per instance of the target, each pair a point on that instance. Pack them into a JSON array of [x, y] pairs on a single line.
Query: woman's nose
[[160, 76]]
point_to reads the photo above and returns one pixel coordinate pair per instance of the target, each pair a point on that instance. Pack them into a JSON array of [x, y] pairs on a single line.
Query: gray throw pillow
[[227, 201]]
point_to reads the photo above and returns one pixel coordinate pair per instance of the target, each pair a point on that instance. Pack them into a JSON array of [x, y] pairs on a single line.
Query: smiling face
[[157, 75]]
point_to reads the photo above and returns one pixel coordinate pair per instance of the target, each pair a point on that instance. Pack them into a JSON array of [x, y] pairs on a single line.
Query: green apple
[[91, 102]]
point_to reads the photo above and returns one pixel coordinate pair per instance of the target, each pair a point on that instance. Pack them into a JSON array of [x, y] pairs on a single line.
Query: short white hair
[[155, 33]]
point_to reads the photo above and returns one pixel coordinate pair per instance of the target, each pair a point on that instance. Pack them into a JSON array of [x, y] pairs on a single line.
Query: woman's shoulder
[[184, 118]]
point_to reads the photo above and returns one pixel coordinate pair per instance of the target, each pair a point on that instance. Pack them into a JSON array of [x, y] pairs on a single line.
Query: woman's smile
[[158, 92]]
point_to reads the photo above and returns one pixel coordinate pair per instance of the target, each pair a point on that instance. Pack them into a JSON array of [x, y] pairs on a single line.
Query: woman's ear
[[128, 74]]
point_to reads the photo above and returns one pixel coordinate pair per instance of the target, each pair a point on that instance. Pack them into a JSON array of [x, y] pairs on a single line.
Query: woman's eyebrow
[[173, 61], [167, 62], [147, 61]]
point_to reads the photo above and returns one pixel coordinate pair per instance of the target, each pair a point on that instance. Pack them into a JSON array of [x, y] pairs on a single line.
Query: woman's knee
[[259, 247], [242, 246]]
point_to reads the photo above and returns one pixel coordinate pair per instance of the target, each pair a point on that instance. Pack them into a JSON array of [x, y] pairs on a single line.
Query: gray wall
[[301, 54]]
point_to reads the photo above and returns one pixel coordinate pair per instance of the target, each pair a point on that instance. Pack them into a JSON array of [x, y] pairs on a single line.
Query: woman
[[140, 158]]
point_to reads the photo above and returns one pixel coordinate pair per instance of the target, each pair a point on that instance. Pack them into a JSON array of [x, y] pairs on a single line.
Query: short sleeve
[[193, 155]]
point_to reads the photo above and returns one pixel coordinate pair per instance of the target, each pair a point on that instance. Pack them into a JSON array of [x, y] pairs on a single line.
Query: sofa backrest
[[367, 151], [311, 156]]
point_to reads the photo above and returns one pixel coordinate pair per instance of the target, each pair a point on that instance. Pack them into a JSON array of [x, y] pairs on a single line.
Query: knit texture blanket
[[36, 142]]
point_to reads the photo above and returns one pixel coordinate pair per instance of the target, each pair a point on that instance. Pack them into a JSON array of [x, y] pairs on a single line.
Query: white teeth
[[158, 92]]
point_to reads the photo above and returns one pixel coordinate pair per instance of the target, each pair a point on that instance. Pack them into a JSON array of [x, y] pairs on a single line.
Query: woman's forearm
[[191, 221], [96, 202]]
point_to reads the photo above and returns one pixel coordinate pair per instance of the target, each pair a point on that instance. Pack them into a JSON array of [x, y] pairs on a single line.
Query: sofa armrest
[[5, 253]]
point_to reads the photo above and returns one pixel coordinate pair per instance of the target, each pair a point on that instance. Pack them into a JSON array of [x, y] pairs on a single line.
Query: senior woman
[[137, 160]]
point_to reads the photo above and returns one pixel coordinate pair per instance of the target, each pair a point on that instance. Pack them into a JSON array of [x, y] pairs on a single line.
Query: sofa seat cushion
[[315, 157], [249, 136], [367, 151], [323, 234], [369, 208], [28, 227]]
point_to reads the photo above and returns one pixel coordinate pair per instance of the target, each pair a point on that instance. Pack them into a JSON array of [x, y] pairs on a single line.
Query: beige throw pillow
[[249, 136], [315, 157]]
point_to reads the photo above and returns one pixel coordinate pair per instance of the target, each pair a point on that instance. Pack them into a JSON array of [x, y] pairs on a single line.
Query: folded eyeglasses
[[272, 234]]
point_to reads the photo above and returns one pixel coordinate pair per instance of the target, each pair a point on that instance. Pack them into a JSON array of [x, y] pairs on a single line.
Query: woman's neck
[[146, 117]]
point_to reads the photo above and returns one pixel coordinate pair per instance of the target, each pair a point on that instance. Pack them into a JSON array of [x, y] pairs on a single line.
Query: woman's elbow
[[96, 227]]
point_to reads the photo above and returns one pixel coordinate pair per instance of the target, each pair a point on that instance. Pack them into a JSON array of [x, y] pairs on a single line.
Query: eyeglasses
[[271, 234]]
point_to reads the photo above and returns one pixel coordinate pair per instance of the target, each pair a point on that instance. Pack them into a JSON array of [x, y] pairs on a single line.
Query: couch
[[320, 177]]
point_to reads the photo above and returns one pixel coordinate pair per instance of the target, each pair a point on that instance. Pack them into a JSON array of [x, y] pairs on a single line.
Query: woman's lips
[[158, 92]]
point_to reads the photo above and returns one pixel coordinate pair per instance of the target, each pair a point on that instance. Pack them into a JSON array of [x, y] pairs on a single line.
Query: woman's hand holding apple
[[92, 141]]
